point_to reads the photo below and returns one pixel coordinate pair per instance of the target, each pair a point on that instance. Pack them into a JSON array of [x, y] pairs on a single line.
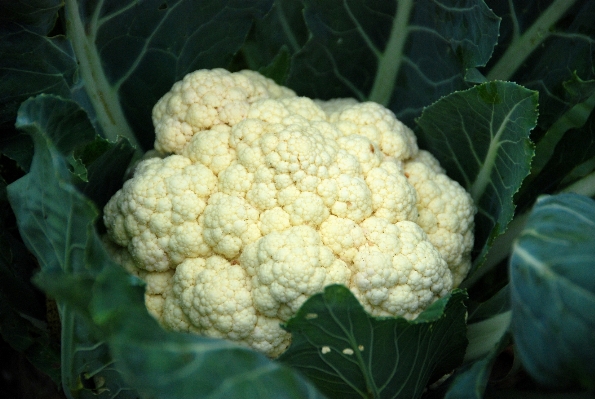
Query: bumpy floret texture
[[266, 197]]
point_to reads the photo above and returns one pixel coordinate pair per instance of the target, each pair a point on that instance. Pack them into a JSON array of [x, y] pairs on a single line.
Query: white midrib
[[483, 177], [389, 62], [103, 96]]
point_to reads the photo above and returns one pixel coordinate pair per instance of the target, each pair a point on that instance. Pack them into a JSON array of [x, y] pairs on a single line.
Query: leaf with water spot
[[350, 354], [481, 136]]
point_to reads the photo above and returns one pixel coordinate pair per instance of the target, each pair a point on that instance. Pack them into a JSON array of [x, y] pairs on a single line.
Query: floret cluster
[[263, 197]]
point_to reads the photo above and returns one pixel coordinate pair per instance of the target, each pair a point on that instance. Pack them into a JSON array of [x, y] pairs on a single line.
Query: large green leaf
[[53, 220], [99, 164], [349, 354], [118, 57], [542, 44], [372, 50], [22, 310], [481, 137], [131, 52], [102, 307], [547, 46], [31, 62], [552, 288], [38, 15]]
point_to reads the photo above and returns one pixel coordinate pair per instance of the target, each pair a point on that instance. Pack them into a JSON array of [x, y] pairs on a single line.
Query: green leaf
[[487, 325], [554, 259], [63, 120], [542, 45], [548, 46], [106, 164], [32, 61], [107, 333], [22, 310], [49, 67], [282, 29], [131, 52], [371, 50], [54, 221], [37, 15], [278, 69], [119, 57], [349, 354], [98, 164], [481, 137], [565, 154]]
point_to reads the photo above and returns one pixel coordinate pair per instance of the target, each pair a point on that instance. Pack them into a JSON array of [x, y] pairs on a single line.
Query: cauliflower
[[266, 197]]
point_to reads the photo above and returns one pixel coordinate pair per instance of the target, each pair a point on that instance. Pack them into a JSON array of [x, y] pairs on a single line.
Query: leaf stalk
[[390, 61], [520, 49], [103, 96]]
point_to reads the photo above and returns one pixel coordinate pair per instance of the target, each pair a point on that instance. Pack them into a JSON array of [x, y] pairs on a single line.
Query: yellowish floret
[[205, 99]]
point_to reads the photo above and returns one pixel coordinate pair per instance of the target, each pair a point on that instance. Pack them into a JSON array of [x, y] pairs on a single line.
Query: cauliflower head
[[264, 198]]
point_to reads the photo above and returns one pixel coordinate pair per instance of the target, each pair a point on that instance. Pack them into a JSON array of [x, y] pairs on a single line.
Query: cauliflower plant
[[266, 197]]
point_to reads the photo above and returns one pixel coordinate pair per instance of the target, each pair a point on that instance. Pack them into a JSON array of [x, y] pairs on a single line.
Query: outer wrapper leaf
[[552, 286], [350, 354], [481, 137], [103, 312], [53, 220]]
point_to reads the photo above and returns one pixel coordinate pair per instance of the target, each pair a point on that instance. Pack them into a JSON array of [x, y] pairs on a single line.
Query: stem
[[500, 249], [519, 50], [66, 350], [484, 335], [103, 96], [390, 62]]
